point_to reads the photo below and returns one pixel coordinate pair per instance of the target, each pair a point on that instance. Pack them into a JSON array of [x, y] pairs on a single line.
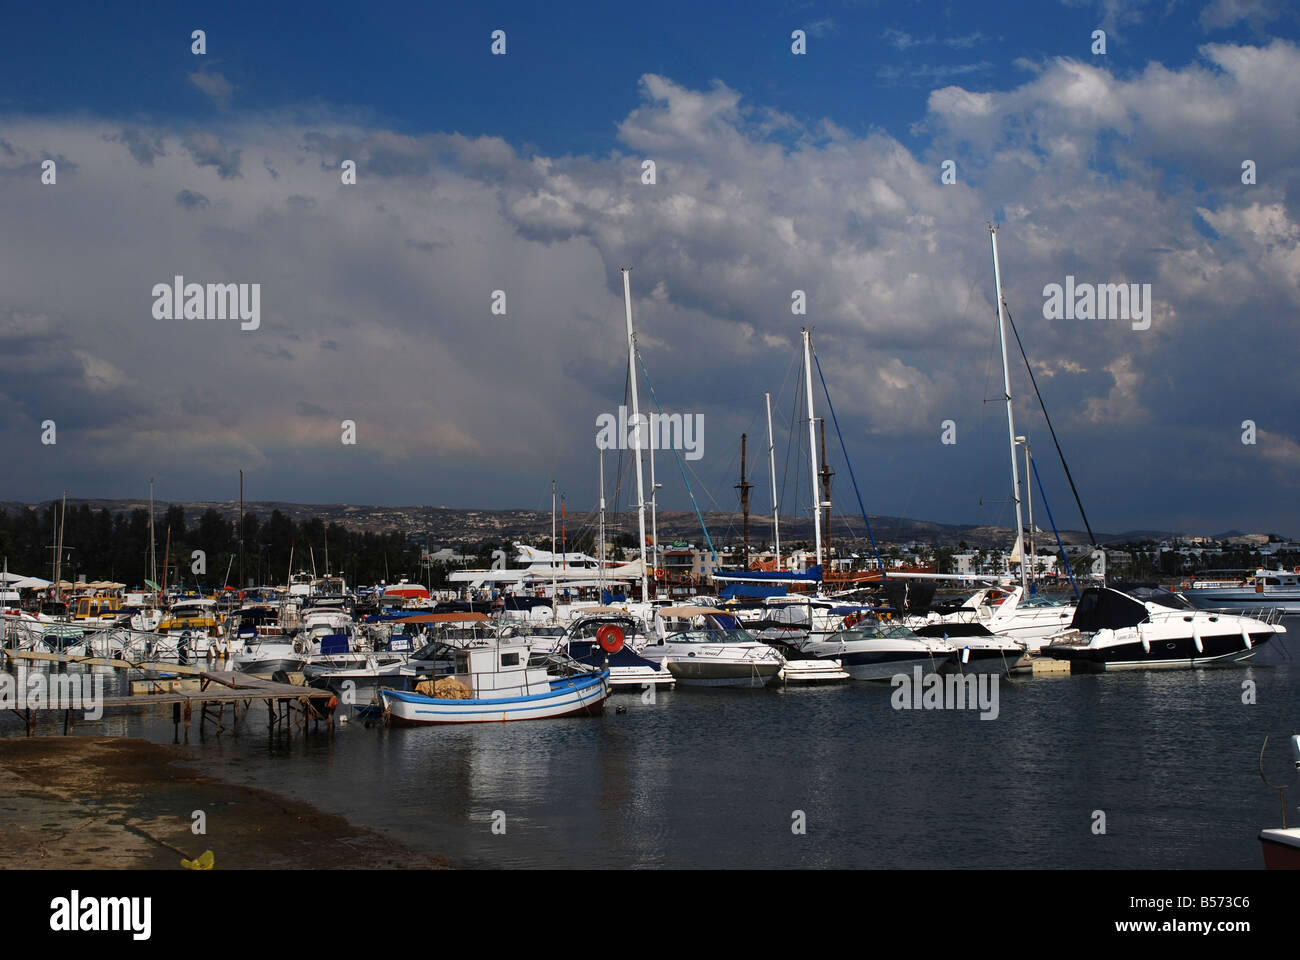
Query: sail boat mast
[[812, 443], [771, 459], [1011, 422], [636, 425], [744, 487], [555, 597], [601, 575], [153, 556]]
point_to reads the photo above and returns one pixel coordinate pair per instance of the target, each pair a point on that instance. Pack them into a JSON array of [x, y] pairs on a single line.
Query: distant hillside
[[440, 524]]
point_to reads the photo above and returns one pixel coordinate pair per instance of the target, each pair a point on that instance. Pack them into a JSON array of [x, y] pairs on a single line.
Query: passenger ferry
[[1275, 589]]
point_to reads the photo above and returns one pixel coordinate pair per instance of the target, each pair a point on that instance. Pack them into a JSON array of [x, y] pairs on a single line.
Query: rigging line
[[836, 420], [1050, 429], [677, 456], [1064, 559]]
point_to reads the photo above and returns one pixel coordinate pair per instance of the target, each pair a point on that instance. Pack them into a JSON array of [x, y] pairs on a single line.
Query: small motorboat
[[874, 649], [705, 646]]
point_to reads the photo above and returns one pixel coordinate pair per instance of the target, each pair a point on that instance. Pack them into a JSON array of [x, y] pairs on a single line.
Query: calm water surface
[[711, 778]]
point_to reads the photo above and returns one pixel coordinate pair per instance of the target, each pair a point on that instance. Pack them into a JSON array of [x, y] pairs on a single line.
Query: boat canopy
[[444, 618], [685, 612], [1101, 608]]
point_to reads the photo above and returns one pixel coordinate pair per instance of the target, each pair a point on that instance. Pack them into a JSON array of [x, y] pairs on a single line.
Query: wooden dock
[[63, 658], [289, 705]]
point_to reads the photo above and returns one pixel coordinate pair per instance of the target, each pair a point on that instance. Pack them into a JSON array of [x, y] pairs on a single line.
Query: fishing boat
[[1144, 626], [497, 683]]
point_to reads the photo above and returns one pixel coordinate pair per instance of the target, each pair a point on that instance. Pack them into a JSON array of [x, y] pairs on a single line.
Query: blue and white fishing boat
[[497, 683]]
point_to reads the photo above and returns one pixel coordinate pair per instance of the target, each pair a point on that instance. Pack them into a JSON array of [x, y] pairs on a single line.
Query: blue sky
[[570, 68], [776, 172]]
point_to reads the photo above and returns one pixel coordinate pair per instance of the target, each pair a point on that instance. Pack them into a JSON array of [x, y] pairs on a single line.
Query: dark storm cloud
[[376, 297]]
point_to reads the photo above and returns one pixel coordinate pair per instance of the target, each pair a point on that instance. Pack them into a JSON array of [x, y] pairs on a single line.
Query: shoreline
[[124, 803]]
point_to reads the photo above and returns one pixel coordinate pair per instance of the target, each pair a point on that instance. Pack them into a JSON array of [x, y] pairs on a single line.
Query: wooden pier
[[289, 706]]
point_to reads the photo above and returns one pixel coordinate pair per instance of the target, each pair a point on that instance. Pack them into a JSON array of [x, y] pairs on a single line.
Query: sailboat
[[996, 616]]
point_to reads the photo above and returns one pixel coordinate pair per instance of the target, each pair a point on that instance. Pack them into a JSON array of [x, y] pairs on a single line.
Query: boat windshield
[[1160, 596], [877, 630], [1038, 600], [713, 636]]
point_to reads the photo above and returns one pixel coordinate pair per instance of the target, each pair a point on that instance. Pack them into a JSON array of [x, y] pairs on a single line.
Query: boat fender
[[965, 654], [1245, 638], [1196, 639], [1146, 643]]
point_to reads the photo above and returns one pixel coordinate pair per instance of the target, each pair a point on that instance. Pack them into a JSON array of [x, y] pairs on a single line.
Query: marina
[[447, 447]]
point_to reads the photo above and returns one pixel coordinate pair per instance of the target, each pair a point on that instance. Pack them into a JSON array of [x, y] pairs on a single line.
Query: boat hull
[[1161, 654], [694, 672], [1281, 849], [269, 665], [567, 698]]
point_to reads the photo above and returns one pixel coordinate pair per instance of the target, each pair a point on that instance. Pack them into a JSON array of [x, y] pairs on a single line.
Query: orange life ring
[[610, 638], [659, 573]]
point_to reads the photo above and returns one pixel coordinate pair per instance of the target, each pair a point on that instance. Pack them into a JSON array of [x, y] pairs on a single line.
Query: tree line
[[100, 545]]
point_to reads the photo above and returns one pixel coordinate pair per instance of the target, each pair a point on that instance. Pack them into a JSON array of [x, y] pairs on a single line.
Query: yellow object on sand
[[202, 862]]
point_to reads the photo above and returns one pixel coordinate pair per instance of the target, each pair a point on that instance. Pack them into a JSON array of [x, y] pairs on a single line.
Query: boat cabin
[[97, 608], [500, 671]]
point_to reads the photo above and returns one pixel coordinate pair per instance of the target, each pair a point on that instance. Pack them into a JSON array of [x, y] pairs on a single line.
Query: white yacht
[[1139, 626], [1005, 612]]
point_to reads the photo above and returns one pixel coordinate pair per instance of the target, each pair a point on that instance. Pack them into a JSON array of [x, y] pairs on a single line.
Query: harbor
[[746, 448]]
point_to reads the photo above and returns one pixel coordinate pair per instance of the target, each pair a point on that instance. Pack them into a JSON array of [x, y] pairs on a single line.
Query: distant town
[[109, 539]]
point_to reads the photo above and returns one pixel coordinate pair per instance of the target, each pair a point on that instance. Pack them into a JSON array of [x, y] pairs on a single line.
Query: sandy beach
[[125, 803]]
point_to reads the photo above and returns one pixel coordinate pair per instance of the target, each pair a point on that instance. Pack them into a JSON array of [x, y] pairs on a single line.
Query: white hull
[[574, 697]]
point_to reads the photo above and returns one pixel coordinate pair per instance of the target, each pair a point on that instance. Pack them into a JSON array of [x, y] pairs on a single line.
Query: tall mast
[[601, 575], [555, 597], [812, 442], [637, 425], [826, 474], [771, 459], [744, 487], [241, 534], [654, 506], [1027, 549], [153, 557], [57, 547], [1011, 422]]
